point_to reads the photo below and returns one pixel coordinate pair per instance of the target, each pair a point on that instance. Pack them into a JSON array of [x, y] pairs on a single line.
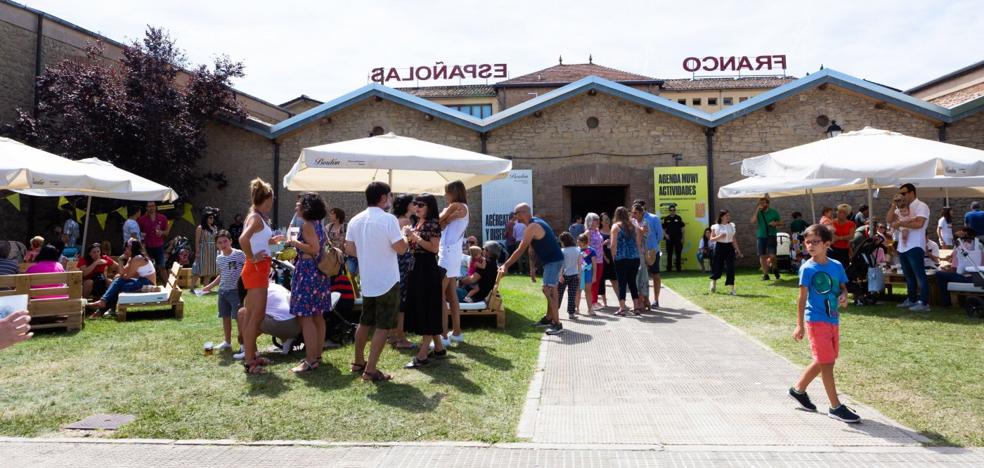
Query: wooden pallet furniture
[[47, 312], [492, 305], [962, 289], [186, 280], [168, 298]]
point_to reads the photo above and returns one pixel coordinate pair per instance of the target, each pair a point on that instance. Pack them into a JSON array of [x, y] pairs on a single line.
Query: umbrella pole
[[813, 210], [946, 196], [871, 209], [85, 230], [389, 177]]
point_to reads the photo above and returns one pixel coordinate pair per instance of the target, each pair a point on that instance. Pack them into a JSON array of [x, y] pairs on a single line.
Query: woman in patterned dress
[[424, 311], [401, 209], [205, 251], [310, 296]]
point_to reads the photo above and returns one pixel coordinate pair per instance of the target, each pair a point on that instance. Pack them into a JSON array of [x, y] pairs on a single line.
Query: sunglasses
[[419, 203]]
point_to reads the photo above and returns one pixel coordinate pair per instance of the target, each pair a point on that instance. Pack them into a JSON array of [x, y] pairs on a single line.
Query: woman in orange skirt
[[255, 241]]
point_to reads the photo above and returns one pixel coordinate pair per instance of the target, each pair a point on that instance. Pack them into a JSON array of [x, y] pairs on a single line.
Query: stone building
[[591, 142]]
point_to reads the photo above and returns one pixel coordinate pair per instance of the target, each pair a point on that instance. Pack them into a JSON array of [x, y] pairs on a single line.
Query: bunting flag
[[79, 214], [170, 223], [188, 216], [122, 212], [14, 199], [62, 201], [101, 217]]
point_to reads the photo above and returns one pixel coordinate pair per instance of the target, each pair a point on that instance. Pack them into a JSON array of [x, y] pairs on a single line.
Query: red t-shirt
[[83, 262], [845, 229], [147, 227]]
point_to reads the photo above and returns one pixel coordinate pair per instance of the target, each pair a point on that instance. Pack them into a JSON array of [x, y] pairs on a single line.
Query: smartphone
[[11, 304]]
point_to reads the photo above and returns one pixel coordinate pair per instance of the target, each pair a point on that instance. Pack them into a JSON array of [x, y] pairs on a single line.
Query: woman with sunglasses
[[424, 314]]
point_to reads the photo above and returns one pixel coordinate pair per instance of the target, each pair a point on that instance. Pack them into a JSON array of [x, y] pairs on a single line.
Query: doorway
[[596, 199]]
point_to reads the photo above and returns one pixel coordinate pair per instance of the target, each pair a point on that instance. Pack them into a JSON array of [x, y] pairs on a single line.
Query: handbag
[[330, 259], [652, 255], [876, 279]]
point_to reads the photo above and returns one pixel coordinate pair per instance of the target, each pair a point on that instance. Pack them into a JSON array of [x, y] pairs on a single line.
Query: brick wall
[[16, 71]]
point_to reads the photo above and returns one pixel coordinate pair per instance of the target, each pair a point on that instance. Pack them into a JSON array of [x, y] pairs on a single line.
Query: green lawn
[[155, 369], [924, 370]]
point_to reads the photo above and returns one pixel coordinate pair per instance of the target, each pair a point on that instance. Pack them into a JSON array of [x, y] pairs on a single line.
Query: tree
[[140, 114]]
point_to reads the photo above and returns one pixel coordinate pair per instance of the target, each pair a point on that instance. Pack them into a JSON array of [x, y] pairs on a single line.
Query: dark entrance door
[[596, 198]]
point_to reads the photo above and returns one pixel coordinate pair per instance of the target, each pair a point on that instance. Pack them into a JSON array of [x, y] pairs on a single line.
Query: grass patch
[[923, 370], [155, 369]]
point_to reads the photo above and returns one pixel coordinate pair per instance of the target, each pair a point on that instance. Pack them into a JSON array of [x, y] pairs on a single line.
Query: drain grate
[[106, 422]]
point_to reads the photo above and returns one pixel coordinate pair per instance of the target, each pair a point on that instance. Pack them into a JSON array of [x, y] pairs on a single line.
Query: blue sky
[[324, 49]]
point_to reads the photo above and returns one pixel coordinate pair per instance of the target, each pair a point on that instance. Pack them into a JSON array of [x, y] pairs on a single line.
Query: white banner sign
[[499, 197]]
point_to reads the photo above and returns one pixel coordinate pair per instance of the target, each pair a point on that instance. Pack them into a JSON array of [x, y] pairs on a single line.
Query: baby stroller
[[857, 272], [281, 272], [178, 250]]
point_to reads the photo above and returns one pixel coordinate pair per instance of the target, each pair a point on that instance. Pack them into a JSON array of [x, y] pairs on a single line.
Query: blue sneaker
[[844, 414], [803, 399]]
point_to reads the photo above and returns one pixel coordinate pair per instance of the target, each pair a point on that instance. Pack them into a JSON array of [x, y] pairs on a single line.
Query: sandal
[[262, 361], [375, 376], [304, 366], [416, 363], [620, 313], [254, 368], [358, 368]]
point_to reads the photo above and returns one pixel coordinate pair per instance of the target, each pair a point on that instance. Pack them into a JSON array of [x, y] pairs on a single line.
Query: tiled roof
[[959, 97], [451, 91], [759, 82], [569, 73], [303, 97]]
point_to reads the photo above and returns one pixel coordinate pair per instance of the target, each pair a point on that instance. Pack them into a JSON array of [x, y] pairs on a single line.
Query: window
[[727, 101], [695, 101], [742, 99], [475, 110], [682, 101], [712, 101]]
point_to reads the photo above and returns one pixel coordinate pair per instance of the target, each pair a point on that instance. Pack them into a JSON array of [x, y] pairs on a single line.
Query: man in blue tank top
[[540, 236]]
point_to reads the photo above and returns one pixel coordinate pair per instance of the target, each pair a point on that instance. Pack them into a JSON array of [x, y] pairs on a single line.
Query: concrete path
[[681, 377]]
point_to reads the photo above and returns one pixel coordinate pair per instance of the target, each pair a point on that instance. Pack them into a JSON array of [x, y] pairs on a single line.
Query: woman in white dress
[[453, 221]]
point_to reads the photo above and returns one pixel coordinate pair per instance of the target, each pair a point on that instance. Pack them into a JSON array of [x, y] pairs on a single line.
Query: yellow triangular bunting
[[14, 199]]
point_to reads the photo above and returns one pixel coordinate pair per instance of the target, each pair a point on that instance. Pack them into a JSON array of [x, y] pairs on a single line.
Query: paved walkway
[[681, 377], [675, 388]]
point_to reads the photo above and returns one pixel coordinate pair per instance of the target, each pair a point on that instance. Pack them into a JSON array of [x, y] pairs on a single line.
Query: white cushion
[[472, 305], [964, 287], [144, 297]]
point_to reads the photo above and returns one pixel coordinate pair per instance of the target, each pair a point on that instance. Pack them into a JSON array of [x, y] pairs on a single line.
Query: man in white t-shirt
[[911, 245], [277, 319], [374, 238]]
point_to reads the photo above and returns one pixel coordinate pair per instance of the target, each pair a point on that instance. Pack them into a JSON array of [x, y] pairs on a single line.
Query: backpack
[[330, 259]]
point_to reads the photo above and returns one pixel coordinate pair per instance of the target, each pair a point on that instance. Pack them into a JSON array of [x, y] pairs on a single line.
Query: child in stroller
[[865, 257]]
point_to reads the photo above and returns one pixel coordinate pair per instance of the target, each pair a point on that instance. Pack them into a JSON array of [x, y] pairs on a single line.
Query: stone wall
[[623, 150]]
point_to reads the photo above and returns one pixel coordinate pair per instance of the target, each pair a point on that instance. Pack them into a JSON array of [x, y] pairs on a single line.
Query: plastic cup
[[208, 348]]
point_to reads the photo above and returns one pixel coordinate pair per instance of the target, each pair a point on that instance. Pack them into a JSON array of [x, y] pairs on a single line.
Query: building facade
[[591, 135]]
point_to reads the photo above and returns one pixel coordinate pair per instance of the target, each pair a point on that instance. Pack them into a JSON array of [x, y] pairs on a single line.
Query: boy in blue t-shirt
[[822, 293]]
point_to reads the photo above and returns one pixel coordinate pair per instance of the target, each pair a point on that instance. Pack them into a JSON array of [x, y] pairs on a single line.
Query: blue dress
[[309, 293]]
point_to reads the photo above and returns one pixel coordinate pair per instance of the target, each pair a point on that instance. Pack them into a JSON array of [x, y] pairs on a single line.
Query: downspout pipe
[[711, 194], [276, 182]]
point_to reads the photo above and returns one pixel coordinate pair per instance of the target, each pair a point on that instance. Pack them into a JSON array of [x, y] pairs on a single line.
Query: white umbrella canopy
[[407, 164], [869, 153], [934, 187], [139, 189], [24, 167]]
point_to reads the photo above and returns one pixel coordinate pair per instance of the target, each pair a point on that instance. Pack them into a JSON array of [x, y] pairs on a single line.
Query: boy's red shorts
[[824, 341]]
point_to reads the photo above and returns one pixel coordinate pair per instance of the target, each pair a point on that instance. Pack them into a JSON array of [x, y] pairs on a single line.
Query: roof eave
[[541, 84]]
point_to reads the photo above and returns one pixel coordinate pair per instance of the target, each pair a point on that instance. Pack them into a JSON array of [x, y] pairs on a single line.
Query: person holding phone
[[14, 328]]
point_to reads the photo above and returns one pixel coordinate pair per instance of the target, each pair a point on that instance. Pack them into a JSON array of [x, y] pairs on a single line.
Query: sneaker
[[733, 292], [765, 277], [803, 399], [777, 275], [224, 346], [919, 307], [713, 287], [109, 314], [239, 356], [287, 346], [844, 414], [456, 338], [468, 300], [654, 305], [906, 304], [543, 323], [437, 354], [555, 329]]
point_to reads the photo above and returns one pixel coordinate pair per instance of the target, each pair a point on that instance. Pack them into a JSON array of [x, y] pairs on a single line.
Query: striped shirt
[[229, 267]]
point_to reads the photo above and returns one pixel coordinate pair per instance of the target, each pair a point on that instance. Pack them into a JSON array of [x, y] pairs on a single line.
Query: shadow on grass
[[405, 396], [941, 441], [482, 355], [327, 377], [269, 384], [518, 325], [447, 372], [937, 314]]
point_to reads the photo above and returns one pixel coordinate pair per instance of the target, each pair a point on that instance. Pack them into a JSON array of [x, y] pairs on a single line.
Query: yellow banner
[[101, 217], [188, 215], [62, 201], [170, 223], [14, 199], [686, 189], [79, 214], [122, 212]]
